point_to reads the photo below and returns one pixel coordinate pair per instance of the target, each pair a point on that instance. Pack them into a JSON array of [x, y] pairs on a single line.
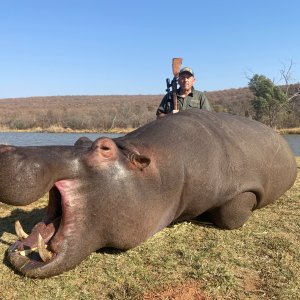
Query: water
[[294, 142], [45, 139], [39, 139]]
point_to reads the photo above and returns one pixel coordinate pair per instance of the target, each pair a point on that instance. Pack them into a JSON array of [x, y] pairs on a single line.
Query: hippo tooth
[[43, 252], [27, 251], [22, 235]]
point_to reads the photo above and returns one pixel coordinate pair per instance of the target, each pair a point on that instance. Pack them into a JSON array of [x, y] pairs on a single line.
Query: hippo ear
[[83, 141], [140, 161]]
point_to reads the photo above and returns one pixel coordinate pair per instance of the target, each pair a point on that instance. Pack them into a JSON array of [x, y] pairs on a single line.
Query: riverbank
[[59, 129], [289, 130]]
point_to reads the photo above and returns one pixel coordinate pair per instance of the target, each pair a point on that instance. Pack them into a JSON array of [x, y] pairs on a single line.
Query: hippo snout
[[33, 170]]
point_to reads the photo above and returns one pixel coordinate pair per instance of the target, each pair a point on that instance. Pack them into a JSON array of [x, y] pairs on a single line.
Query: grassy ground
[[184, 261]]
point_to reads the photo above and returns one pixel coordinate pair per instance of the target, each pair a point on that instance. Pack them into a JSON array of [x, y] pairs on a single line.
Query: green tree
[[269, 100]]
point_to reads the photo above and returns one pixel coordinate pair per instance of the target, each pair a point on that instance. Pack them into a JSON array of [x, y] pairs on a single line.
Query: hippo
[[119, 192]]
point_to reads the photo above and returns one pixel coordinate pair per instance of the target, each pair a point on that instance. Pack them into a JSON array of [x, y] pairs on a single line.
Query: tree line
[[264, 101], [273, 105]]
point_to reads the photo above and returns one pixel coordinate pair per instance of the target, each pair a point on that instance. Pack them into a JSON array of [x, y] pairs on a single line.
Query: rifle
[[168, 89], [176, 65]]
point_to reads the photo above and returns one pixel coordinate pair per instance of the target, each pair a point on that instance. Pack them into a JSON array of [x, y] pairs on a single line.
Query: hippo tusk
[[27, 251], [22, 235], [43, 252]]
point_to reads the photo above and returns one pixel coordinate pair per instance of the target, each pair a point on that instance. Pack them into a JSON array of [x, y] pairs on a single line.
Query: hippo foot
[[234, 213]]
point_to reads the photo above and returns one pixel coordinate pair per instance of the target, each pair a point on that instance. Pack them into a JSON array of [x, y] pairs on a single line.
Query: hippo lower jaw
[[43, 252]]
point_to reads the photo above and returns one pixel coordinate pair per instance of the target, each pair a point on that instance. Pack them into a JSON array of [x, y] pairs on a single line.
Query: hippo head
[[83, 181]]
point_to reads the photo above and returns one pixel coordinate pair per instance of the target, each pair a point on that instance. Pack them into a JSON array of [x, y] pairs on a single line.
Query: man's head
[[186, 70], [186, 78]]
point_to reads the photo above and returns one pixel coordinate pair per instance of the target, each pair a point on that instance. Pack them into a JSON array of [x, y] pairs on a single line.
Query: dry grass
[[184, 261], [78, 113], [103, 113], [289, 130], [60, 129]]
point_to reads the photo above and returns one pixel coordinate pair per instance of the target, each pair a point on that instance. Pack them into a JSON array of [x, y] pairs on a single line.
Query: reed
[[289, 130]]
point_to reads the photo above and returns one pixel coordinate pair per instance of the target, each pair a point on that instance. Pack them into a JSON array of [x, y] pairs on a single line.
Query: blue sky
[[90, 47]]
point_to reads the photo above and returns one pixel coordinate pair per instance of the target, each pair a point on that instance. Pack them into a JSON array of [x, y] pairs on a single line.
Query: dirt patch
[[184, 291]]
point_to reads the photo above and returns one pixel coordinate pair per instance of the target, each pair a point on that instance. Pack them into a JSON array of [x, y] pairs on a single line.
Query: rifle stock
[[176, 65]]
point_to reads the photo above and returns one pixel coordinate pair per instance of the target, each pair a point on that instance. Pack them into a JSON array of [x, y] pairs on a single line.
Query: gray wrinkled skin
[[119, 192]]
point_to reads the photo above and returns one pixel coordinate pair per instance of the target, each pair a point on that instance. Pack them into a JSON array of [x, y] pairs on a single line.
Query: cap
[[186, 69]]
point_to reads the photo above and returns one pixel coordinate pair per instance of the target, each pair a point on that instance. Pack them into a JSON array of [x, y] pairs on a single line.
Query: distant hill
[[234, 101], [108, 112]]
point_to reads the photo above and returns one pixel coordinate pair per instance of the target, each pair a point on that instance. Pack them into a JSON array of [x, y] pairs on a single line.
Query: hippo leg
[[236, 212]]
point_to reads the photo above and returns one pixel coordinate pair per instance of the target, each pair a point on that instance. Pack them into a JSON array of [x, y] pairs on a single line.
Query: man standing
[[187, 96]]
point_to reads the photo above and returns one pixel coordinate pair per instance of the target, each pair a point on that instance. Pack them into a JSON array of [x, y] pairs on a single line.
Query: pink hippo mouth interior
[[45, 241]]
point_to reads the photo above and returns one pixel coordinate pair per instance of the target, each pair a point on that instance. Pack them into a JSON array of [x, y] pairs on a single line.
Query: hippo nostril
[[105, 148]]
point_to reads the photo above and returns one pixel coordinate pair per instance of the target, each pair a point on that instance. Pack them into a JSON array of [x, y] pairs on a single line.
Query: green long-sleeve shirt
[[195, 99]]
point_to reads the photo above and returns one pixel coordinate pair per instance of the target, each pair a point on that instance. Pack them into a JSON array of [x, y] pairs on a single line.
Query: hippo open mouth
[[45, 242]]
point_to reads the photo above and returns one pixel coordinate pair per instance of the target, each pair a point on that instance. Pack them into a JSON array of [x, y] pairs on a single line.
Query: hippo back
[[233, 153]]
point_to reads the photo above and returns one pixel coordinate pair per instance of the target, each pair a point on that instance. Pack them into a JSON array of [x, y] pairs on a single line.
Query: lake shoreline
[[69, 130], [57, 129]]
